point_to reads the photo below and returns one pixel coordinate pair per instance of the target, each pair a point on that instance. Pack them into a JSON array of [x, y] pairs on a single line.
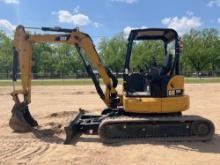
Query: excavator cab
[[159, 88], [153, 81]]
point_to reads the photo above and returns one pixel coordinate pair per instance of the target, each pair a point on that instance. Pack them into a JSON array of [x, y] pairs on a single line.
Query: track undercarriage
[[117, 125]]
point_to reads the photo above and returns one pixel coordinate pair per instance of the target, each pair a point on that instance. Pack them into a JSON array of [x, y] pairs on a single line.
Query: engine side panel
[[156, 105], [142, 104], [175, 104]]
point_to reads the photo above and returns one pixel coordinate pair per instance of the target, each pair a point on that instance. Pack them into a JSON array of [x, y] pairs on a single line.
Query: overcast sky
[[109, 17]]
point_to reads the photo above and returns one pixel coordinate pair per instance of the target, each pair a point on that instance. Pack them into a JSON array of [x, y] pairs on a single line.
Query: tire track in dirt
[[33, 146], [21, 149], [33, 151]]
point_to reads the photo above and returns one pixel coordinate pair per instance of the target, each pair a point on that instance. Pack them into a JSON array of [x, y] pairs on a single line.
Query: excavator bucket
[[21, 119]]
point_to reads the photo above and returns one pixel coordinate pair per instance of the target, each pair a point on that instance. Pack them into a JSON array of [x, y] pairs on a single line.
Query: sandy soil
[[53, 107]]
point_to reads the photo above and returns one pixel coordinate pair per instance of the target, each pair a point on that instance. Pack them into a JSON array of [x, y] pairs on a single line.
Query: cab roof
[[165, 34]]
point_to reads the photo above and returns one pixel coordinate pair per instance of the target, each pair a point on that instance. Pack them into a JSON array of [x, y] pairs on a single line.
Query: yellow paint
[[175, 104], [176, 82], [24, 49], [156, 105], [142, 105]]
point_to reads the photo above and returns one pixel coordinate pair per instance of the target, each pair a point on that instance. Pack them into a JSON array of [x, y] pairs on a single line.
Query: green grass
[[52, 82], [89, 81], [202, 80]]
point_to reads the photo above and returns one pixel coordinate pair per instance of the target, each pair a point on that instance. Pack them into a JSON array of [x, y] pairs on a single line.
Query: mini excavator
[[149, 107]]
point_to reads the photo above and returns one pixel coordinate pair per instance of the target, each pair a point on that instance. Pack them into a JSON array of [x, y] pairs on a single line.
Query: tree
[[143, 53], [5, 54], [212, 47], [112, 52], [201, 53], [68, 60], [201, 50], [55, 59]]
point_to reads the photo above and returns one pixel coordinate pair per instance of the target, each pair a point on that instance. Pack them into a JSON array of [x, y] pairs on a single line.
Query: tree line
[[201, 53]]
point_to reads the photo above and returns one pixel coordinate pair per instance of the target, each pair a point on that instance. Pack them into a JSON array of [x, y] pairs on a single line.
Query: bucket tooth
[[21, 119]]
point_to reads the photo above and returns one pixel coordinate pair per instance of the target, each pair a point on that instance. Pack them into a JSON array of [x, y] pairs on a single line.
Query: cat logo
[[62, 38]]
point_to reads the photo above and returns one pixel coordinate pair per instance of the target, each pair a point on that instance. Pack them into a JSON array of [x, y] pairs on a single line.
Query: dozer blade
[[21, 119], [82, 123], [73, 128]]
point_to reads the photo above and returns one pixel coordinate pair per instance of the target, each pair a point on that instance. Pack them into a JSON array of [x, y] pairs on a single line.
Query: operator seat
[[160, 79]]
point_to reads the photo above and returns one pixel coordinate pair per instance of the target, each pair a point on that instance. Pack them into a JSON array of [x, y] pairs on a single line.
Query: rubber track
[[137, 120]]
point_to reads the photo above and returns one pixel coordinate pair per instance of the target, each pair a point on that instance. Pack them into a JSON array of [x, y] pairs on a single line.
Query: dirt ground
[[54, 106]]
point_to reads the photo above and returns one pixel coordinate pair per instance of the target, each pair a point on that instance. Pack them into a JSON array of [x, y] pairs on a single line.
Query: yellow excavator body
[[159, 105], [150, 105]]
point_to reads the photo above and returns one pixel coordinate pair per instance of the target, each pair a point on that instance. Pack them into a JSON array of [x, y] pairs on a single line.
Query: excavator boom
[[22, 58], [23, 52]]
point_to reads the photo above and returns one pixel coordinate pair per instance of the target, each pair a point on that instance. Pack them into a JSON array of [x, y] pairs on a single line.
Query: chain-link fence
[[36, 76], [7, 76], [202, 74]]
